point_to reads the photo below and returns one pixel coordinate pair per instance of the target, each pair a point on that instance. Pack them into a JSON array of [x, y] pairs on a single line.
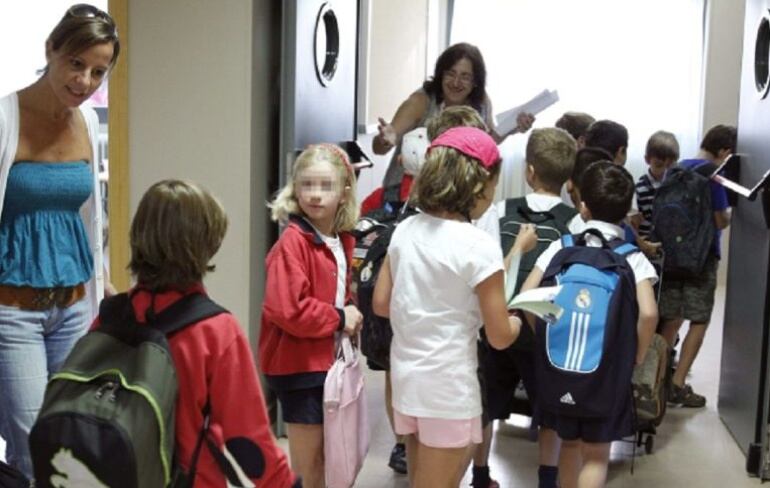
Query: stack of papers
[[506, 121]]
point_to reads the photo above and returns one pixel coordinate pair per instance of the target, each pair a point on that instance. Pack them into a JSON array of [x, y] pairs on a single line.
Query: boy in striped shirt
[[662, 152]]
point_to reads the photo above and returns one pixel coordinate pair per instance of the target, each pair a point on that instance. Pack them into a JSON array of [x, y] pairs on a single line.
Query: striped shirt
[[645, 195]]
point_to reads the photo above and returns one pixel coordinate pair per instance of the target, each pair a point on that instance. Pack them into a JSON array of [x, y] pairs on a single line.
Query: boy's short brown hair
[[608, 191], [455, 116], [551, 152], [177, 229], [720, 137], [662, 145], [576, 123]]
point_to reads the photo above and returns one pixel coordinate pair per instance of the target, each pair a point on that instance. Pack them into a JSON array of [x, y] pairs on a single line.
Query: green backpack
[[108, 415]]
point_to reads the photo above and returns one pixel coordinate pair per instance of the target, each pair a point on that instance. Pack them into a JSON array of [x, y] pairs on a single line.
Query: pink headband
[[474, 143], [339, 152]]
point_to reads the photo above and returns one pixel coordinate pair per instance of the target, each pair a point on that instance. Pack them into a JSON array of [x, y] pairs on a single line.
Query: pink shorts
[[440, 433]]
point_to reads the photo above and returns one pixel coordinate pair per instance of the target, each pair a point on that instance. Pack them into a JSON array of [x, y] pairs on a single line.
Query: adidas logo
[[567, 398]]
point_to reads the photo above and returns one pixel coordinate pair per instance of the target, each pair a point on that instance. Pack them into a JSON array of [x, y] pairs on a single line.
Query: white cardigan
[[91, 212]]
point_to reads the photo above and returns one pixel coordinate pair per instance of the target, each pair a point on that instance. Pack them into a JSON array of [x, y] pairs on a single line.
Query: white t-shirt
[[640, 265], [434, 310], [335, 245], [542, 203]]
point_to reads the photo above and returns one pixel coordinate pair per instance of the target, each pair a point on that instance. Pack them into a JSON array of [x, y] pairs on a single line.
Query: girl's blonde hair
[[450, 181], [285, 202]]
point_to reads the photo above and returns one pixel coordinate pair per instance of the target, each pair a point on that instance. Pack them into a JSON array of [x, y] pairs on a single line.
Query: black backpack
[[585, 360], [108, 415], [550, 226], [683, 219], [373, 234]]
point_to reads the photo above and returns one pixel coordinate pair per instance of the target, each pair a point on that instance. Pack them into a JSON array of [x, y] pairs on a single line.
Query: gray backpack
[[108, 416]]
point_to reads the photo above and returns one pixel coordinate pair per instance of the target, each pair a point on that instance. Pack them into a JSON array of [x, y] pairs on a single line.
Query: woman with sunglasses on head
[[459, 78], [51, 269]]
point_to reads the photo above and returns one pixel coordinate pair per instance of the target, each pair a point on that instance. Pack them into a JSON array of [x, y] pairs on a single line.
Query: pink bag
[[346, 423]]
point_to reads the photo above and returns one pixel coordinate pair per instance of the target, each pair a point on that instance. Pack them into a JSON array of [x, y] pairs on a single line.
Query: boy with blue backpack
[[550, 157], [585, 359]]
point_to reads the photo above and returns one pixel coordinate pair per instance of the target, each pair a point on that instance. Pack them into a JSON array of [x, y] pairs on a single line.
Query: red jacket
[[298, 313], [213, 360], [376, 199]]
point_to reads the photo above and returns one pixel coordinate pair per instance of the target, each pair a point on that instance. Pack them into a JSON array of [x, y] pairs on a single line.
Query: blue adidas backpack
[[585, 360]]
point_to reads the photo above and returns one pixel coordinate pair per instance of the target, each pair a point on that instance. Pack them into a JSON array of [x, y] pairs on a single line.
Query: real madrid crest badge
[[583, 299]]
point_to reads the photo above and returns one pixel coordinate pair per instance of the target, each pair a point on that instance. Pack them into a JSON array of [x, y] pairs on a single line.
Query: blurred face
[[319, 191], [75, 77], [457, 83], [483, 203]]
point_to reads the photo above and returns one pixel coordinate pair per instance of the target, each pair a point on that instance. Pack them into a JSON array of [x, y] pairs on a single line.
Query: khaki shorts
[[692, 298]]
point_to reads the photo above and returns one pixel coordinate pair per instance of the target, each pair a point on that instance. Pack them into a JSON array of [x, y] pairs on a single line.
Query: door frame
[[118, 197]]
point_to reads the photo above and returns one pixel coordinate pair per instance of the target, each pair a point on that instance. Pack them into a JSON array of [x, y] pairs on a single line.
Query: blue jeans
[[33, 346]]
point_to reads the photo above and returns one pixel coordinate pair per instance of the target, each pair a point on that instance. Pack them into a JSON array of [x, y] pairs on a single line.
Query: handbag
[[346, 423]]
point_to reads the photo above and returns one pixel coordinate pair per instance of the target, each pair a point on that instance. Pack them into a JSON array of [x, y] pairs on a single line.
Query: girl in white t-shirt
[[443, 277]]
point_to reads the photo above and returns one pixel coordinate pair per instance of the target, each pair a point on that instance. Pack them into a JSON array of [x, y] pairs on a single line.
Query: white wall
[[722, 62], [191, 97], [24, 28]]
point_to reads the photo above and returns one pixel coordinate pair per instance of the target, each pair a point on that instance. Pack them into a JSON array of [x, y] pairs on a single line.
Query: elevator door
[[742, 390], [318, 79]]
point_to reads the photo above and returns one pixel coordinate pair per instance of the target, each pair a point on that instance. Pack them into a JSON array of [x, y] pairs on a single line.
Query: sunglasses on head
[[84, 10]]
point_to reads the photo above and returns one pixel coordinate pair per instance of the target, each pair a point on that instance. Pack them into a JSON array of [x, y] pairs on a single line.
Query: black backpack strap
[[184, 479], [563, 214], [615, 244], [187, 310], [580, 239], [199, 443], [115, 308]]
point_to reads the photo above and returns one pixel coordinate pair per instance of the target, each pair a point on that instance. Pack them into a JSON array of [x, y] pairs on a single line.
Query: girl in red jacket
[[307, 297]]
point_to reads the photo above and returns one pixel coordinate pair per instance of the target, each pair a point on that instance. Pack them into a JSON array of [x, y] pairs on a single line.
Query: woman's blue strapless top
[[43, 241]]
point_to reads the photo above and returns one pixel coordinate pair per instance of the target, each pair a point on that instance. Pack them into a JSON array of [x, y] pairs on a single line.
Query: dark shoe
[[398, 459], [685, 397], [491, 484]]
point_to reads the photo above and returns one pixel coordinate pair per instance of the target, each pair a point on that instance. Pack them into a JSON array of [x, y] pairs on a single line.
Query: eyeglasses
[[464, 78], [84, 10]]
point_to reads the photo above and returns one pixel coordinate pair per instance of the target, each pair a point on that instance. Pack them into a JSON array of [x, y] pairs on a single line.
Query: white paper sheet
[[506, 121]]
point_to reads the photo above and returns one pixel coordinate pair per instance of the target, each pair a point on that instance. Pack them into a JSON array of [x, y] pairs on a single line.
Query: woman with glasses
[[51, 271], [459, 78]]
